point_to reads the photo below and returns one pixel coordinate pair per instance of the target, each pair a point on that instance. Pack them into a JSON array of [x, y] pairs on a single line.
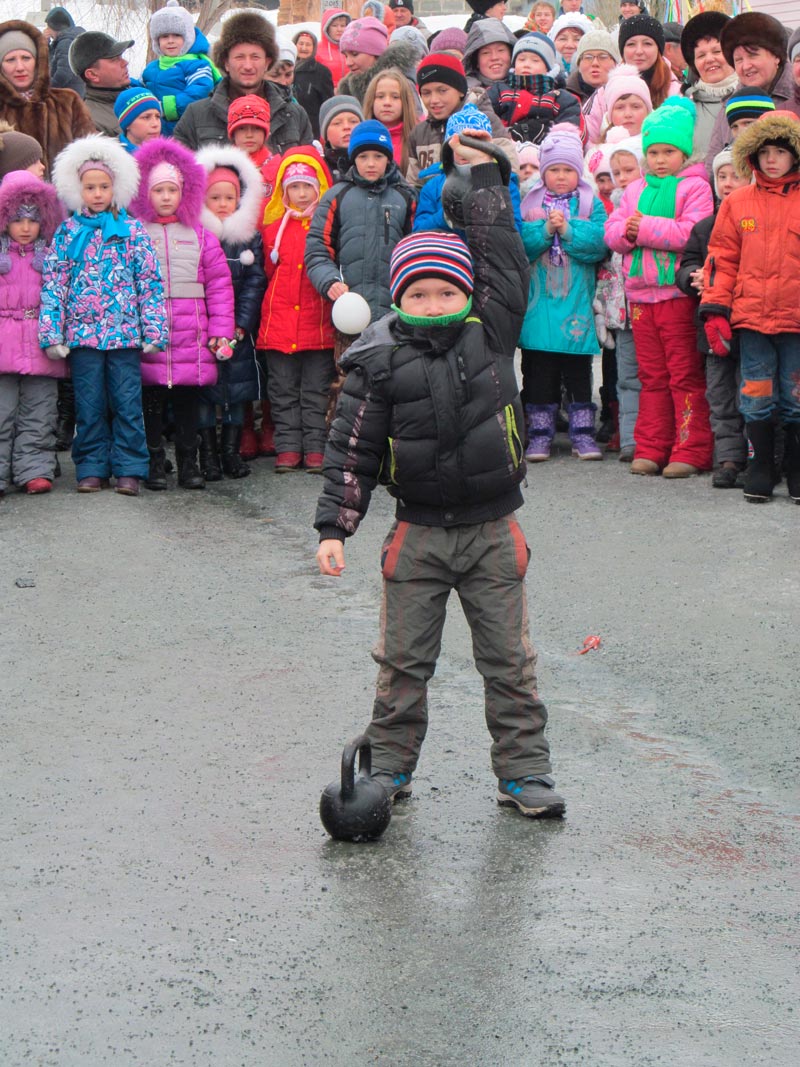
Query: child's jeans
[[298, 386], [27, 428], [628, 387], [673, 424], [108, 380], [486, 565], [232, 415], [770, 376]]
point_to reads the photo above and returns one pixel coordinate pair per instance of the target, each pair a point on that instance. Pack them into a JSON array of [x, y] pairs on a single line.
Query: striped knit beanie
[[747, 104], [430, 254], [131, 103]]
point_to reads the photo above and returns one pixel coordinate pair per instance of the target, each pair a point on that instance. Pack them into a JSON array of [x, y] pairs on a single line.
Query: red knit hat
[[250, 110], [442, 67]]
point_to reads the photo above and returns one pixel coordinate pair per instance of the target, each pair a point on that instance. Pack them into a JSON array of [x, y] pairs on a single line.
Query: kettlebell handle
[[361, 746]]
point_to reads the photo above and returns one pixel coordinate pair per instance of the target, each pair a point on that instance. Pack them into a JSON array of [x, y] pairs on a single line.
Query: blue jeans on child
[[108, 381], [770, 376]]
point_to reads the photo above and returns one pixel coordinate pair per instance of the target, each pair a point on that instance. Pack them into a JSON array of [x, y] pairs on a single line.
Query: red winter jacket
[[294, 317], [328, 53]]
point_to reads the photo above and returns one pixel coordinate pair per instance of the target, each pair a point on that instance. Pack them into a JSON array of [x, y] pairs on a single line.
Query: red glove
[[718, 334]]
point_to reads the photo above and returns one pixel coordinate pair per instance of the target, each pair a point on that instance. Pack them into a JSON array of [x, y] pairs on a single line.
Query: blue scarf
[[105, 222]]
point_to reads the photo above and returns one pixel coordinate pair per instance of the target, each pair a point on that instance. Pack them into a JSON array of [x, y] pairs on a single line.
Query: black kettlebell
[[355, 809], [457, 183]]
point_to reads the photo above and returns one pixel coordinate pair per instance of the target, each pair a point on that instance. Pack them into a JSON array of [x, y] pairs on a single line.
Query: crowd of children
[[186, 293]]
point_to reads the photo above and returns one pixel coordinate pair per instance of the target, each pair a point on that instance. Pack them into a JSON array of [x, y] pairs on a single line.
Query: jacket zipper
[[168, 302], [386, 219]]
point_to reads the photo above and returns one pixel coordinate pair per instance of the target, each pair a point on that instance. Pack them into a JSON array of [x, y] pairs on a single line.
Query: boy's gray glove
[[56, 351]]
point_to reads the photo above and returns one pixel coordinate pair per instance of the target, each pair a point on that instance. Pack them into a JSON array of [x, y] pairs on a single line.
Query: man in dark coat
[[60, 31], [99, 61], [245, 50]]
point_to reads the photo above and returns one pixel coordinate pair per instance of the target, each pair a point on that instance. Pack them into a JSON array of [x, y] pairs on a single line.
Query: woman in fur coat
[[54, 117], [199, 297], [238, 383], [29, 214]]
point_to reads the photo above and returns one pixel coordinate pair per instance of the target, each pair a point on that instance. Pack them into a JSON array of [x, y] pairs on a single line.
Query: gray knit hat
[[597, 41], [172, 18], [334, 106], [13, 40]]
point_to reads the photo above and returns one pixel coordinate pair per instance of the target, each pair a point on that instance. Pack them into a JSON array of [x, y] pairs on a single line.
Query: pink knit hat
[[300, 172], [528, 152], [366, 35], [624, 80], [164, 172]]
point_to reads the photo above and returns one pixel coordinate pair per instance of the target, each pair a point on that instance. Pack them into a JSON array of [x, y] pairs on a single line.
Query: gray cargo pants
[[486, 565], [27, 428]]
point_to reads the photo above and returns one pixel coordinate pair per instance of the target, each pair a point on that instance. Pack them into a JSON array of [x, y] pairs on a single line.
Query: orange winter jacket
[[752, 272]]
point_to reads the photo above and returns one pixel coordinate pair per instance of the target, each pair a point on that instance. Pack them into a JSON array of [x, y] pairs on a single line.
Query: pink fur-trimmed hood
[[164, 150], [20, 187]]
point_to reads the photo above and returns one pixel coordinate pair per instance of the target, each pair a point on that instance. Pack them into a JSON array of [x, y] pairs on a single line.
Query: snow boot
[[581, 431], [209, 454], [157, 475], [791, 459], [540, 422], [232, 463], [189, 477], [760, 476], [65, 407]]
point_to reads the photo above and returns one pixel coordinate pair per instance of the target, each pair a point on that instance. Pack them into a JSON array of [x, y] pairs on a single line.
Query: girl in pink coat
[[29, 215], [650, 228], [199, 298]]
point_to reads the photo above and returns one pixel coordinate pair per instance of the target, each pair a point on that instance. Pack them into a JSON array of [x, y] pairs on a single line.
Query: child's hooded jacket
[[111, 296], [178, 81], [241, 243], [752, 274], [21, 277], [197, 282]]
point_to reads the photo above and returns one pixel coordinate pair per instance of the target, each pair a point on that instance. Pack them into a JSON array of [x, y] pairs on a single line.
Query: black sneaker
[[396, 783], [533, 796]]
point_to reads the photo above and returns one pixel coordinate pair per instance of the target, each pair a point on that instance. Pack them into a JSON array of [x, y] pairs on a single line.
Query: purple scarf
[[552, 202]]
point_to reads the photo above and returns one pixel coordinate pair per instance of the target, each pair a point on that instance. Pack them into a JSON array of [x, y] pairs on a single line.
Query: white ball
[[351, 313]]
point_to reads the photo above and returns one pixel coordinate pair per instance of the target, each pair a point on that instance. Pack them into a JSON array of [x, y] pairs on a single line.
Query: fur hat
[[539, 45], [756, 29], [113, 158], [165, 150], [88, 47], [337, 105], [672, 124], [780, 127], [245, 27], [641, 26], [625, 80], [172, 18], [18, 151], [365, 35], [242, 225], [706, 24], [22, 188]]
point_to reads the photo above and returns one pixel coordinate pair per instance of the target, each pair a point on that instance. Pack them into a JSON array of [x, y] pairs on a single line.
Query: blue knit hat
[[468, 118], [370, 136], [430, 254], [131, 103]]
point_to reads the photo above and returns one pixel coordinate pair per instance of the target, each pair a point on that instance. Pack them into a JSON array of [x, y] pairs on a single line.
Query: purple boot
[[540, 420], [581, 431]]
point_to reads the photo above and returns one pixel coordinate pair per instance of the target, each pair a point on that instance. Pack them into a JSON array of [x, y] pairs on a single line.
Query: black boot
[[791, 459], [65, 407], [760, 476], [157, 475], [209, 455], [189, 477], [232, 463]]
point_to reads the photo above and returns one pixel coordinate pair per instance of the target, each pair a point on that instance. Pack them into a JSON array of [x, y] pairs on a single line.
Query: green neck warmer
[[436, 320], [657, 198]]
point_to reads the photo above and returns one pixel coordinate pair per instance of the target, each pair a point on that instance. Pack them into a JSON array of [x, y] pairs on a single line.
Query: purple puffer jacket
[[199, 298], [20, 297]]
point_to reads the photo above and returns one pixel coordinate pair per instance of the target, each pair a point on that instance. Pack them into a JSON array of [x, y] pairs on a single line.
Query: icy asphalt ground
[[177, 687]]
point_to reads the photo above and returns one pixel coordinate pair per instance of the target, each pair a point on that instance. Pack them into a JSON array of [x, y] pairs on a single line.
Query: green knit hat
[[672, 123]]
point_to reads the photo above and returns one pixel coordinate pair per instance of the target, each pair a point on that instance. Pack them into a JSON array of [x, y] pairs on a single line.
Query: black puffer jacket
[[206, 121], [62, 76], [435, 411], [313, 85]]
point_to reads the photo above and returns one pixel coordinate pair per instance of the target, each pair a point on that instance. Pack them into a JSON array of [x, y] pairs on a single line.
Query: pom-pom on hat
[[250, 110], [540, 45], [444, 68], [172, 18], [366, 35], [370, 136], [641, 26], [747, 104], [430, 254], [468, 118], [625, 81], [672, 124], [131, 103]]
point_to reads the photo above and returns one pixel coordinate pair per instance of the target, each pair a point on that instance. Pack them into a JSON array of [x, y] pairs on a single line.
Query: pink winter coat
[[20, 297], [199, 297], [693, 202]]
